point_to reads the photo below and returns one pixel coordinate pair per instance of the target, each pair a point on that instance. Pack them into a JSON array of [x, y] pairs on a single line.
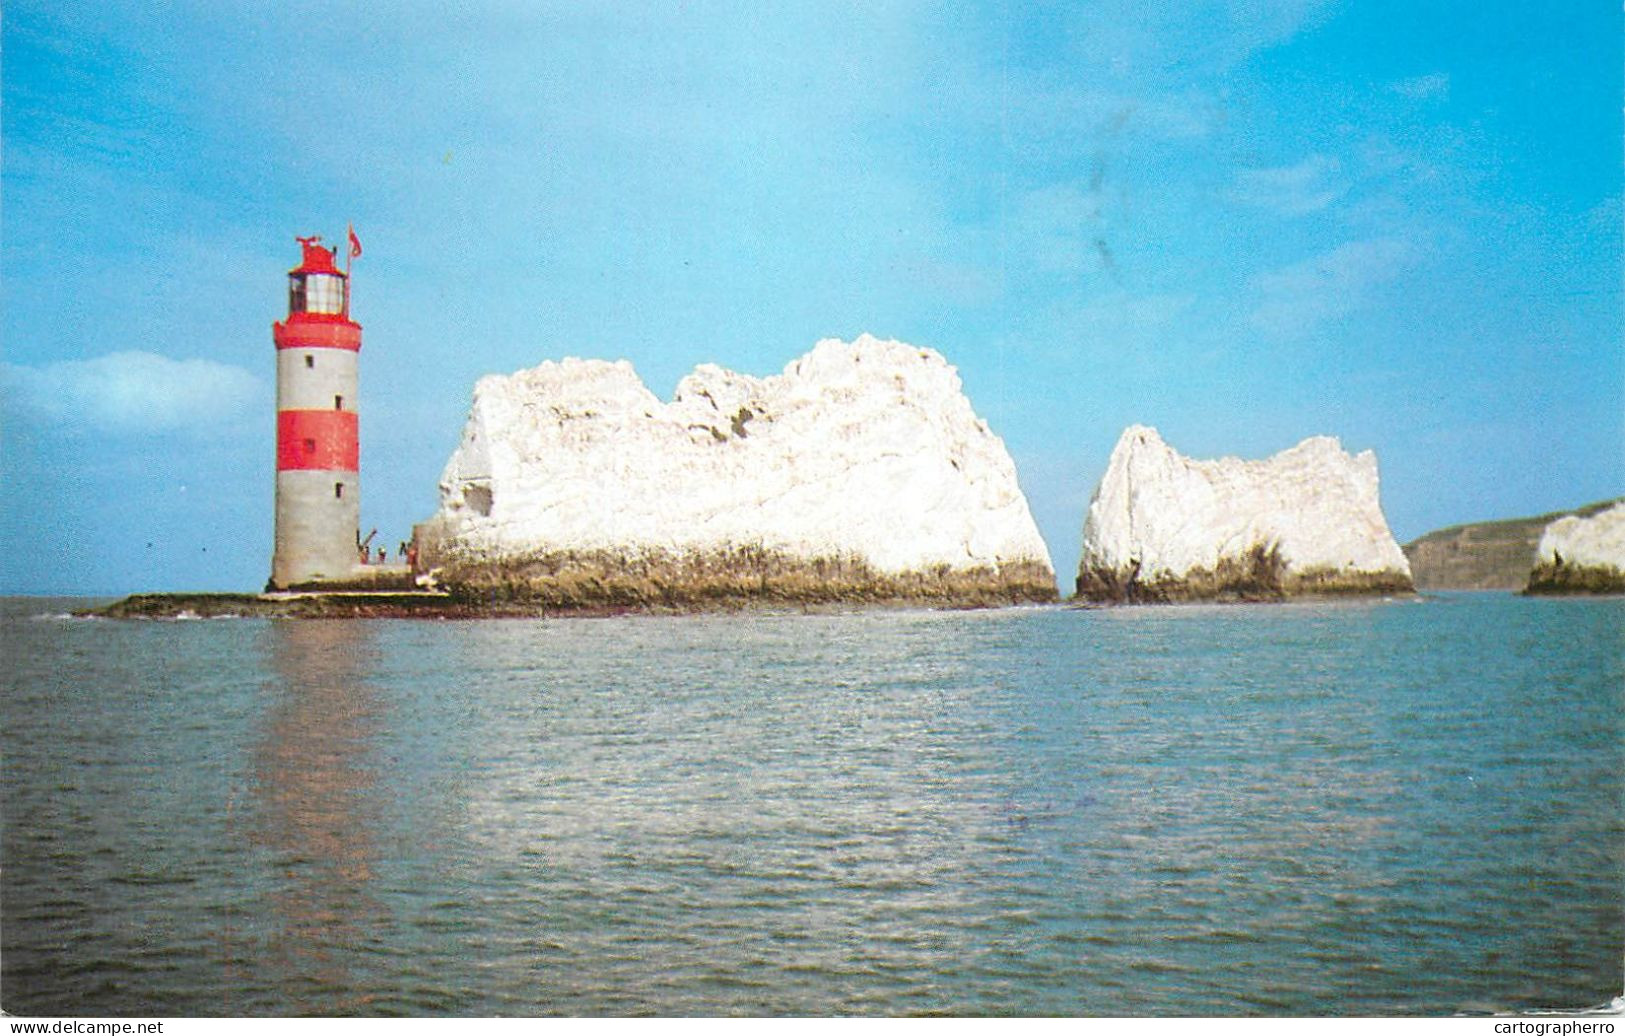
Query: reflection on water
[[316, 791], [1370, 809]]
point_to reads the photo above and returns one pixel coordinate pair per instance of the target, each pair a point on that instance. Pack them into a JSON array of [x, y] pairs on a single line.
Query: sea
[[1392, 807]]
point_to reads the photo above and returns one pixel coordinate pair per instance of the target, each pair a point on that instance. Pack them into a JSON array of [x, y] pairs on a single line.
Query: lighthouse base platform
[[398, 578]]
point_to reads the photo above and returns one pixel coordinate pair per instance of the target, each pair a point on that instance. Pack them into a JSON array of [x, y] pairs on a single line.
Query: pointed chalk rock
[[1582, 555], [1164, 527], [859, 472]]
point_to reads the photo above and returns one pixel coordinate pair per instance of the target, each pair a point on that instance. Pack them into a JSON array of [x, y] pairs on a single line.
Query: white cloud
[[1294, 190], [1300, 297], [130, 392], [1257, 24], [1435, 85]]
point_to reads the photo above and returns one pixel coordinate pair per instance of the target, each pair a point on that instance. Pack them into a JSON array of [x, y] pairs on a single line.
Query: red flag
[[355, 244]]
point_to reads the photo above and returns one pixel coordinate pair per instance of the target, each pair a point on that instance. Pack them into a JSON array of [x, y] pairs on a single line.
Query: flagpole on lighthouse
[[352, 249]]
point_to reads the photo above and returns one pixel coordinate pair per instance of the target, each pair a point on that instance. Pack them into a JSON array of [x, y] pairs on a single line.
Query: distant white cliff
[[1163, 527], [859, 472], [1582, 555]]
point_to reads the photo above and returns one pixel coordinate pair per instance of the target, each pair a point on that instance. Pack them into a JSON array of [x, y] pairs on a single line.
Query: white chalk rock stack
[[1163, 527], [861, 470], [1582, 555]]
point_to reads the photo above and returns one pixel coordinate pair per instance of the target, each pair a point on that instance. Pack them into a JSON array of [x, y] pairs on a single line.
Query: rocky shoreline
[[1550, 579], [324, 605], [727, 579], [1258, 576], [543, 588]]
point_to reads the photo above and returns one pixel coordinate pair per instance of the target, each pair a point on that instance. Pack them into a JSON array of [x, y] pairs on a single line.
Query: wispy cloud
[[1299, 298], [1433, 86], [1257, 24], [130, 393], [1294, 190]]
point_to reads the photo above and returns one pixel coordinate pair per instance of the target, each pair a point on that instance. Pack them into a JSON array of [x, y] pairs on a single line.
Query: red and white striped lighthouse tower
[[318, 449]]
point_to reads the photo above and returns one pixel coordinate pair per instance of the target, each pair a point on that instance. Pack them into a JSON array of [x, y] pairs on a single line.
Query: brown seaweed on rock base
[[1551, 578], [603, 584], [1261, 574], [724, 579]]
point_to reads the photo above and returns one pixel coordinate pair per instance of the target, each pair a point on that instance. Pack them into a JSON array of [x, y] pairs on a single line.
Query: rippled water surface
[[1407, 807]]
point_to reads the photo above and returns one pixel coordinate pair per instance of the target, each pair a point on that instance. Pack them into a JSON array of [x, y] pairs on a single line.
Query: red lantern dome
[[317, 288]]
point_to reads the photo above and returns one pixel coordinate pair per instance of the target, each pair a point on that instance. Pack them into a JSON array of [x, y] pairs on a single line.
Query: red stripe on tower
[[318, 440], [302, 331]]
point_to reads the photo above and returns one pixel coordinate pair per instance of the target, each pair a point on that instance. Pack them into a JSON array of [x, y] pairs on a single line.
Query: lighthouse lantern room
[[318, 452]]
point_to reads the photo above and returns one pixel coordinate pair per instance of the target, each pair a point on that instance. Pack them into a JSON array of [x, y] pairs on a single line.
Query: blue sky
[[1244, 223]]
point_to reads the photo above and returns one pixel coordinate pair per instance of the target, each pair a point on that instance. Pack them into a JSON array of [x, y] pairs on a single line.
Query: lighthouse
[[318, 449]]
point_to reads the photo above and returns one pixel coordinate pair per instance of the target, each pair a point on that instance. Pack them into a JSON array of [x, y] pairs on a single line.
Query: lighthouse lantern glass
[[315, 293]]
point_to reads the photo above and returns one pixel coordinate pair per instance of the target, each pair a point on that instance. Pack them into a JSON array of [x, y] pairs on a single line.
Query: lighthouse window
[[310, 361], [338, 491], [316, 293], [338, 402], [310, 445], [324, 293]]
